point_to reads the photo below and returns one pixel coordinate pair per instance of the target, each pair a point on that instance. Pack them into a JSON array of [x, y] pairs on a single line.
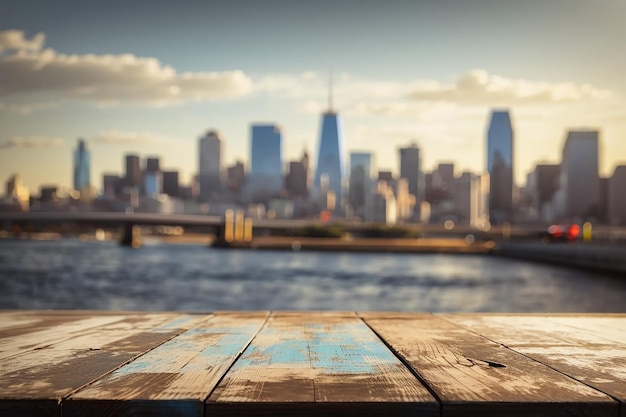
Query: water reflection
[[70, 274]]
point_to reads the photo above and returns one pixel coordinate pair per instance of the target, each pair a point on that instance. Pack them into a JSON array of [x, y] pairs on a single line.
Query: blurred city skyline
[[152, 78]]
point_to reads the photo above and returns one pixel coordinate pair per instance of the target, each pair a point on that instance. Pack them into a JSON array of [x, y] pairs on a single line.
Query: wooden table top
[[107, 363]]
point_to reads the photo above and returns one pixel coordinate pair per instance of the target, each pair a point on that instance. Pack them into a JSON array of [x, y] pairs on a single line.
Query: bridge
[[130, 221], [606, 251]]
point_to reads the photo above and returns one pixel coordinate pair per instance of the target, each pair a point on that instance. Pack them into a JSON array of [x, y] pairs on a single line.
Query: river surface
[[72, 274]]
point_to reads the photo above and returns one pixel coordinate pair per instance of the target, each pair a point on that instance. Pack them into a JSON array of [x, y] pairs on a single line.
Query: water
[[70, 274]]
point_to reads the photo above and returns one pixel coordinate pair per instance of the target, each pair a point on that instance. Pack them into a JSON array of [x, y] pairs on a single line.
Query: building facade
[[265, 179], [209, 164], [236, 177], [111, 185], [153, 183], [82, 167], [17, 195], [411, 169], [617, 197], [578, 196], [171, 185], [297, 180], [360, 183], [470, 200], [500, 167], [330, 155], [153, 164], [133, 171]]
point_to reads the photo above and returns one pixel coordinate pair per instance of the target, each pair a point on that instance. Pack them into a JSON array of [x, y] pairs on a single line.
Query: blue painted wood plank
[[315, 360], [56, 366], [180, 373]]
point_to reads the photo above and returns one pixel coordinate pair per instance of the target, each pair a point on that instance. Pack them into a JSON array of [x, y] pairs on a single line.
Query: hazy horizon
[[152, 77]]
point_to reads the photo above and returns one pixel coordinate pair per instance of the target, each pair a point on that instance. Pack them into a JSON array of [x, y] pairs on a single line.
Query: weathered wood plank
[[173, 379], [31, 382], [16, 320], [474, 376], [316, 361], [316, 314], [610, 328], [48, 331], [50, 349], [573, 346]]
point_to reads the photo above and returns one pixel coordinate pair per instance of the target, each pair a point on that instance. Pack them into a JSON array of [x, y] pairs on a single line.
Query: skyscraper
[[330, 154], [171, 185], [82, 168], [236, 177], [468, 200], [546, 184], [360, 186], [111, 185], [209, 165], [617, 197], [265, 179], [152, 164], [500, 167], [18, 192], [297, 180], [133, 171], [579, 182], [411, 169]]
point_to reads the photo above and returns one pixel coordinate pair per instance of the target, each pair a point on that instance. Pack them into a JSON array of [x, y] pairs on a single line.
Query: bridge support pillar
[[131, 235], [235, 228]]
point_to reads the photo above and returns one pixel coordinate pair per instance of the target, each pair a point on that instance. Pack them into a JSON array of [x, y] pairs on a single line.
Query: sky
[[150, 77]]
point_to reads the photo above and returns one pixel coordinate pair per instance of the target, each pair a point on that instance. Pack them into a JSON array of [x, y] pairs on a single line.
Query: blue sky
[[152, 76]]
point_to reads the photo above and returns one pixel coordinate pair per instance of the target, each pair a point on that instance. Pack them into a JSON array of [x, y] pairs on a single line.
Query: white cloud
[[113, 79], [287, 85], [115, 137], [27, 108], [402, 109], [32, 142], [16, 40], [312, 107], [480, 87], [308, 75], [426, 99]]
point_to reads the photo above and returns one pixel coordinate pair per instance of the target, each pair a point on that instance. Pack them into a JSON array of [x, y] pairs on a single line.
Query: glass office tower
[[266, 167], [500, 167], [330, 155], [82, 168]]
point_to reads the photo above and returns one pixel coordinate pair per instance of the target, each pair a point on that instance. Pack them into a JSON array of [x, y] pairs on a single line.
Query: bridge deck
[[96, 363]]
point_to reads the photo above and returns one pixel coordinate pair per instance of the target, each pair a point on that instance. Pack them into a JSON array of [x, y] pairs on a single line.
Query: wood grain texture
[[474, 376], [47, 373], [173, 379], [299, 362], [111, 363], [611, 328], [585, 348], [47, 331]]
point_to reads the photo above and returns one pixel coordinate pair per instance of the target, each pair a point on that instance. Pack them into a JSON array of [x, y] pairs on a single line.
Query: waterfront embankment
[[610, 258], [379, 245]]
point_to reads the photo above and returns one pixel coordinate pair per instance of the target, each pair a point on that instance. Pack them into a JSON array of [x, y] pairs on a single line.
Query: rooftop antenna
[[330, 92]]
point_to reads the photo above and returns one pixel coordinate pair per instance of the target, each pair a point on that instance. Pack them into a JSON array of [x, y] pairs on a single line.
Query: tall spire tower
[[330, 93], [330, 155]]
